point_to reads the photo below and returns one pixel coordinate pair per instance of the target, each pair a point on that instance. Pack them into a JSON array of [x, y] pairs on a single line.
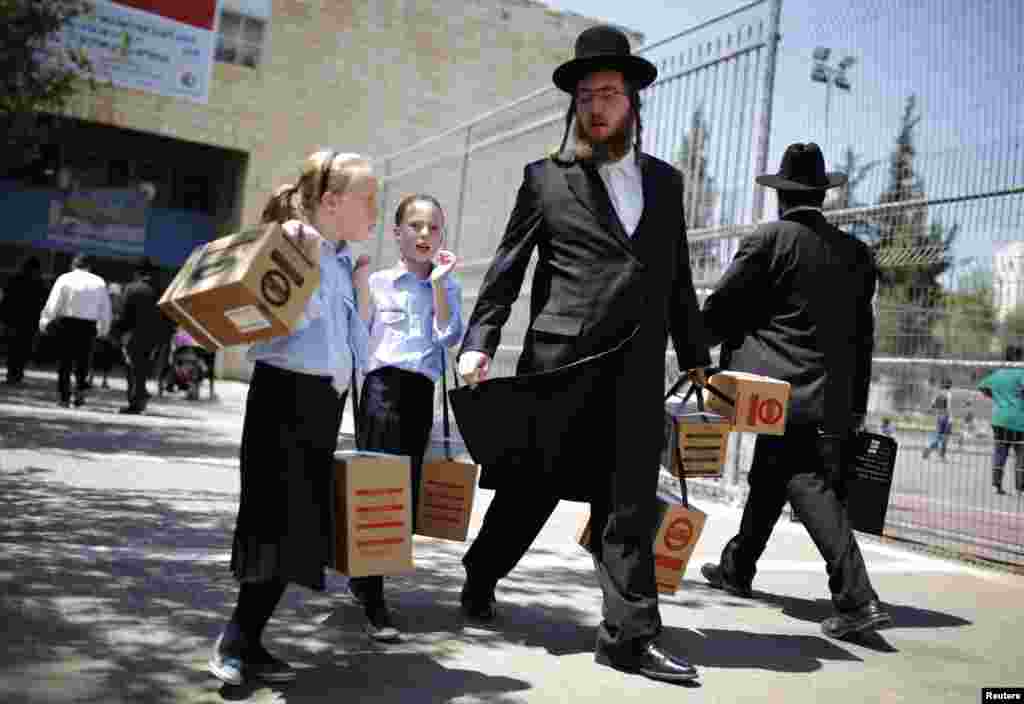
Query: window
[[240, 39]]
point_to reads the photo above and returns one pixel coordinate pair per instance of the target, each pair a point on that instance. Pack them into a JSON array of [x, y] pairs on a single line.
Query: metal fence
[[945, 227]]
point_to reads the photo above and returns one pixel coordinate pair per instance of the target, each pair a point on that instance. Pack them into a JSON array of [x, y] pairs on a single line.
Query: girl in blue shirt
[[293, 412], [416, 314]]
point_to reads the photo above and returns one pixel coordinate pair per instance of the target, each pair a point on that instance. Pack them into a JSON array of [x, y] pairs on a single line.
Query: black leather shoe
[[717, 578], [478, 604], [653, 663], [869, 617], [132, 410]]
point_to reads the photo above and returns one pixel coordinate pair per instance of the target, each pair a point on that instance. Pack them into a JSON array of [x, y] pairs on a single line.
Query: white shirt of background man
[[79, 294], [625, 188]]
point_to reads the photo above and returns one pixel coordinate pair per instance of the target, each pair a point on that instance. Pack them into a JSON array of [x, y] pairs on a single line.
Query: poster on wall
[[109, 221], [160, 46]]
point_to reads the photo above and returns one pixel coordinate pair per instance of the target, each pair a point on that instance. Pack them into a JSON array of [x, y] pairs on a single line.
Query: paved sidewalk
[[115, 535]]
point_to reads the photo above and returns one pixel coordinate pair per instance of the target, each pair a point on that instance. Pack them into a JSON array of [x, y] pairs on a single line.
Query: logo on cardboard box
[[276, 288], [764, 412], [678, 534]]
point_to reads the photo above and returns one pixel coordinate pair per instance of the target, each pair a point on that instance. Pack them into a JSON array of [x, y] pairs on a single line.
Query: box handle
[[696, 387]]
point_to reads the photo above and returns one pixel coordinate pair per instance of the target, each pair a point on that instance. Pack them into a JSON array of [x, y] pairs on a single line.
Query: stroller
[[187, 365]]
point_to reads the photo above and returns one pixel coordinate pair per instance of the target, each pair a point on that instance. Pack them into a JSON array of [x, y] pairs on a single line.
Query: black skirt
[[395, 416], [285, 526]]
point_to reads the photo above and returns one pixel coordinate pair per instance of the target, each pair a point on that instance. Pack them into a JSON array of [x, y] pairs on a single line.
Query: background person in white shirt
[[417, 315], [79, 307]]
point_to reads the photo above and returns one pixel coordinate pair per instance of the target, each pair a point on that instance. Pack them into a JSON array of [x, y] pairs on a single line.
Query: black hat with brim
[[604, 48], [802, 169]]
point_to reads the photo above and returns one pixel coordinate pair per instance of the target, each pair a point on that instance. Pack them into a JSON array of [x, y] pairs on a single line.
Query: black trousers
[[19, 351], [75, 338], [789, 468], [623, 511], [395, 416], [140, 357]]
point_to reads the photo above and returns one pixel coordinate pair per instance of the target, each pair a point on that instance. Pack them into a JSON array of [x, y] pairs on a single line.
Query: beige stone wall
[[372, 76]]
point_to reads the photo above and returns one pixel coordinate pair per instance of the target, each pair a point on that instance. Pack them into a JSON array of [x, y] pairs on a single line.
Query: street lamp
[[824, 72]]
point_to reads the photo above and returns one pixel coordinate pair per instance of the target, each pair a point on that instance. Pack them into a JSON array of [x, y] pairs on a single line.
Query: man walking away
[[143, 330], [795, 304], [79, 307]]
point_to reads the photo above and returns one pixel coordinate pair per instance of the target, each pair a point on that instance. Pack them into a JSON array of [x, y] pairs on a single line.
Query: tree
[[843, 197], [699, 196], [1013, 326], [911, 254], [969, 325], [37, 72]]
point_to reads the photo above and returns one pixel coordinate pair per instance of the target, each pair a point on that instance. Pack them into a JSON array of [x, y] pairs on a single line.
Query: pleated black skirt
[[285, 519]]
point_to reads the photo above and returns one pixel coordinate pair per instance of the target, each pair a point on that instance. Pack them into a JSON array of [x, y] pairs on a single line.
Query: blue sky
[[964, 59]]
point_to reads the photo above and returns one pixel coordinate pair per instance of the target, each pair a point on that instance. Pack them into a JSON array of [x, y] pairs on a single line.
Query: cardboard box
[[373, 514], [242, 288], [679, 529], [447, 490], [761, 402], [703, 439]]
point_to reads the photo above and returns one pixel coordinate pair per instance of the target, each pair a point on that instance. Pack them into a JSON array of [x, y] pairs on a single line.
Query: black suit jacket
[[796, 304], [593, 284], [592, 288], [142, 317]]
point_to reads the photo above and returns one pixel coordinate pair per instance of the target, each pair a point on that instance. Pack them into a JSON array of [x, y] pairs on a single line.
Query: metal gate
[[922, 110]]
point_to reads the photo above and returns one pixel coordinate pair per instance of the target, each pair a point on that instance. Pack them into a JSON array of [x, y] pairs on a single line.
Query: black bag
[[869, 480]]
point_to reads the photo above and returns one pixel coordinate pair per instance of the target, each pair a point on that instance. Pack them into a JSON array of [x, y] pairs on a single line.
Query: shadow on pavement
[[168, 429], [384, 678], [117, 595], [714, 647]]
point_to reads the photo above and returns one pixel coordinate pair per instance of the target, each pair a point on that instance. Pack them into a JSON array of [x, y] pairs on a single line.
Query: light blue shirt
[[330, 333], [403, 329]]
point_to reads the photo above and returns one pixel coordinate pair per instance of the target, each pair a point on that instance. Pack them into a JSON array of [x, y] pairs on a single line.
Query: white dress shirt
[[404, 332], [79, 294], [625, 188]]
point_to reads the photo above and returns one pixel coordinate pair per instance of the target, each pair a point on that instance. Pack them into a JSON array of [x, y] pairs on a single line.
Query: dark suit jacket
[[23, 301], [592, 287], [141, 317], [795, 304]]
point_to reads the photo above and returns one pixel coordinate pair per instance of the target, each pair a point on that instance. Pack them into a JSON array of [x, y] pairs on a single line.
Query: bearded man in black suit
[[612, 282]]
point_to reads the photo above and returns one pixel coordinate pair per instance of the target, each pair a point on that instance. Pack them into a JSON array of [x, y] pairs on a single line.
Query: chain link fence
[[945, 227]]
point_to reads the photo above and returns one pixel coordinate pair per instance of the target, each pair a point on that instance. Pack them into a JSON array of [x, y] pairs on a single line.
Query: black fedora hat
[[604, 48], [802, 169]]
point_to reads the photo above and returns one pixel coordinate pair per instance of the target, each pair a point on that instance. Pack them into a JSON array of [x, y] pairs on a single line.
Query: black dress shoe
[[478, 604], [131, 410], [717, 578], [869, 617], [653, 663]]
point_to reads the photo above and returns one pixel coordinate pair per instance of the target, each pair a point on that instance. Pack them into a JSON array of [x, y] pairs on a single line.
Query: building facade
[[288, 77]]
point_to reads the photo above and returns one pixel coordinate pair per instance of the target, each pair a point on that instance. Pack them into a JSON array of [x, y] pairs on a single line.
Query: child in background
[[416, 315], [299, 383]]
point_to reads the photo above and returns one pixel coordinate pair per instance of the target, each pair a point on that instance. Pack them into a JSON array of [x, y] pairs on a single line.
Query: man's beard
[[612, 149]]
